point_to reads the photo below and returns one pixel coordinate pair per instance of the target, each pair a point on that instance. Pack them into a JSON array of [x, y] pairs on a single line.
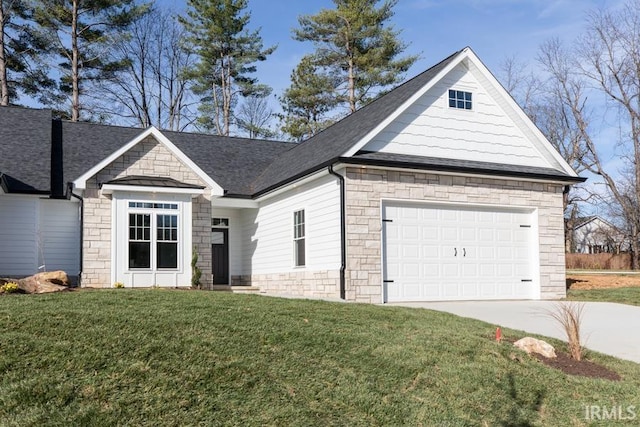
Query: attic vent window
[[459, 99]]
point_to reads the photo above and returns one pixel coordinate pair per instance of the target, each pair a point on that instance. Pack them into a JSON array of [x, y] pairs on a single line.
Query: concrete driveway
[[608, 328]]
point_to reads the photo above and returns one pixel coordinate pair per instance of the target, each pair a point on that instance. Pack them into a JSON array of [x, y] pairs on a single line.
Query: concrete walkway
[[608, 328]]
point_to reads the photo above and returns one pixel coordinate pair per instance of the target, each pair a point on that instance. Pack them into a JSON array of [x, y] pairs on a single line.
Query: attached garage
[[440, 252]]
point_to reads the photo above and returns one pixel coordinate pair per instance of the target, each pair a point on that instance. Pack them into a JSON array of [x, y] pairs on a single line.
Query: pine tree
[[228, 53], [308, 101], [20, 49], [79, 31], [355, 43]]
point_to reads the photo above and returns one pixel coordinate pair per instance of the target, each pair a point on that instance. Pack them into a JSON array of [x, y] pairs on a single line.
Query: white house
[[593, 235], [442, 189]]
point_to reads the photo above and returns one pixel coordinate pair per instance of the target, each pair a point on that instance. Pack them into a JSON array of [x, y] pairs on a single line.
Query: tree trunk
[[4, 86], [75, 59]]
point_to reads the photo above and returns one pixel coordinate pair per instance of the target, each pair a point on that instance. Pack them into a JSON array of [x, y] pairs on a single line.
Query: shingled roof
[[38, 155], [25, 150], [327, 146]]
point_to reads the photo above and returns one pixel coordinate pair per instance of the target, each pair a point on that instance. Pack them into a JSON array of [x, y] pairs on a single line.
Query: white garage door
[[440, 253]]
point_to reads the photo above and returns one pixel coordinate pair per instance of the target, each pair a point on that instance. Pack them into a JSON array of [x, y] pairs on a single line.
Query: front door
[[220, 255]]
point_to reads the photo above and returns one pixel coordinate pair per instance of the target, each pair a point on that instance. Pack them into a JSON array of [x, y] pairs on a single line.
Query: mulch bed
[[569, 366], [584, 368]]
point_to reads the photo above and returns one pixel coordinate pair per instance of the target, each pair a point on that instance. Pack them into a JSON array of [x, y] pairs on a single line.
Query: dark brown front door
[[220, 255]]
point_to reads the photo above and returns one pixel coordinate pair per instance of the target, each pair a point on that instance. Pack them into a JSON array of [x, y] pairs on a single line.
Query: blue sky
[[495, 29]]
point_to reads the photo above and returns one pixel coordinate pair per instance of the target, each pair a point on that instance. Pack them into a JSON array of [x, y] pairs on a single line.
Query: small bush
[[569, 316], [196, 273], [9, 287], [118, 285]]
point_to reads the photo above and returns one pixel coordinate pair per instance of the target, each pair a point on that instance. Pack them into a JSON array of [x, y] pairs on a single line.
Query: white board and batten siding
[[486, 133], [268, 230], [60, 235], [18, 235], [37, 232], [441, 252]]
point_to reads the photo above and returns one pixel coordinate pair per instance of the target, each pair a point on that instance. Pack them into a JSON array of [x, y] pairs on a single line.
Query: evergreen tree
[[308, 101], [20, 48], [79, 32], [228, 52], [355, 43]]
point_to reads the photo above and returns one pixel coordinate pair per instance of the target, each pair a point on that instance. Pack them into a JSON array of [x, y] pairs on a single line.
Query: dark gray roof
[[151, 181], [327, 146], [38, 155], [233, 163], [25, 150], [456, 165]]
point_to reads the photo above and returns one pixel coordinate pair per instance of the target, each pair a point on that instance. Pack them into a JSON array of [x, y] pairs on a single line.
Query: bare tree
[[254, 117], [539, 100], [150, 89], [605, 61]]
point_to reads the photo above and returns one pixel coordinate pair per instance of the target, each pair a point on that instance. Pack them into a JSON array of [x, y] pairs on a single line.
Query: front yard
[[160, 357], [620, 288]]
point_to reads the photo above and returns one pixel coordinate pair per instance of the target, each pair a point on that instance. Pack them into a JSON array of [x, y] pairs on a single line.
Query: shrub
[[196, 273], [9, 287], [569, 316]]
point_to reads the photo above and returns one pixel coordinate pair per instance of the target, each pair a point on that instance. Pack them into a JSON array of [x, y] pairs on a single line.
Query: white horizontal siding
[[235, 237], [18, 235], [60, 236], [486, 133], [268, 230]]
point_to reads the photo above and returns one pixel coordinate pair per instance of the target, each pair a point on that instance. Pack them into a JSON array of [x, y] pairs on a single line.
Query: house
[[594, 235], [442, 189]]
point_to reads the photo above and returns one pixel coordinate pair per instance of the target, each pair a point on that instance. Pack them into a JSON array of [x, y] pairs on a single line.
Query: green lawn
[[621, 295], [159, 357]]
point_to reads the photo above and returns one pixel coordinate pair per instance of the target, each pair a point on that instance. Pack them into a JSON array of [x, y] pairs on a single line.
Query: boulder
[[533, 345], [49, 281]]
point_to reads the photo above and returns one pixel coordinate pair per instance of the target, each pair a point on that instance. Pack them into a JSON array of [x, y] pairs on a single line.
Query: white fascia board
[[294, 184], [223, 202], [368, 137], [81, 182], [519, 111], [110, 188]]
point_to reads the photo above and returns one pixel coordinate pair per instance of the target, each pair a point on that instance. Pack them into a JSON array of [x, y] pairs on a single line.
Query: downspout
[[70, 189], [343, 231]]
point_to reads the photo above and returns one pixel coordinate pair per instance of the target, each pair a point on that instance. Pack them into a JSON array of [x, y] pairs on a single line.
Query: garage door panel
[[448, 253]]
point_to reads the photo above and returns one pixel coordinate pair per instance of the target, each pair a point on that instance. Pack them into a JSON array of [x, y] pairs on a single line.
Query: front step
[[236, 289]]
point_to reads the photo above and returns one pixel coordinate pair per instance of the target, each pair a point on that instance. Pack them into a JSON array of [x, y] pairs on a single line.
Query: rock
[[50, 281], [533, 345], [58, 277]]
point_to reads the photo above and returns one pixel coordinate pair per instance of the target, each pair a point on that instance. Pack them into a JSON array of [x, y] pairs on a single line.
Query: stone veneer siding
[[317, 284], [148, 158], [367, 187]]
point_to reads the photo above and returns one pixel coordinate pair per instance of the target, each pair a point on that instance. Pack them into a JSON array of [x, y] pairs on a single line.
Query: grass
[[629, 295], [158, 357]]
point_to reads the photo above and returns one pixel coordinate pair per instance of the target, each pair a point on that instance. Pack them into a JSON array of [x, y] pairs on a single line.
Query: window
[[219, 222], [459, 99], [167, 241], [153, 250], [139, 241], [298, 238]]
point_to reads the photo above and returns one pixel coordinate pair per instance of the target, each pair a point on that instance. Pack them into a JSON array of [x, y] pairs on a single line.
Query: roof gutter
[[343, 231], [81, 200], [463, 170]]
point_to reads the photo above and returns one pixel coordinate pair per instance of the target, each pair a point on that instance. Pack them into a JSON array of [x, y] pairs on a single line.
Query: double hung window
[[153, 235]]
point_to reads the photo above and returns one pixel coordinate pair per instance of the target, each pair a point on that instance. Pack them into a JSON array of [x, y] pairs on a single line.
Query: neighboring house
[[594, 235], [442, 189]]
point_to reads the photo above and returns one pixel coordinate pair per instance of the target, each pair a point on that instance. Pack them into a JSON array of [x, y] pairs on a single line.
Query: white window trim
[[153, 251], [294, 239]]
